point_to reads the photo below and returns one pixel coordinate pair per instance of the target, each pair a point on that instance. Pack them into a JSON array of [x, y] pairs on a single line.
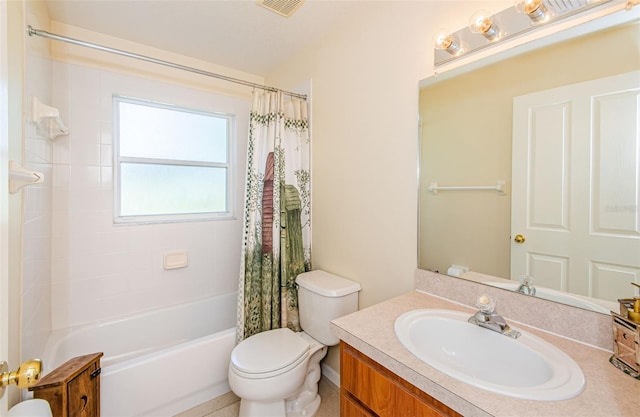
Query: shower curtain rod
[[44, 34]]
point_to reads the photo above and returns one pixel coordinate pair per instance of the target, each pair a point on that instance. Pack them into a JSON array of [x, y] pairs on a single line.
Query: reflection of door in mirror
[[575, 188], [466, 133]]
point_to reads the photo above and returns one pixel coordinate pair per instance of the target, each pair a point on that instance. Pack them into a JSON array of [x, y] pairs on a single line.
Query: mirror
[[466, 134]]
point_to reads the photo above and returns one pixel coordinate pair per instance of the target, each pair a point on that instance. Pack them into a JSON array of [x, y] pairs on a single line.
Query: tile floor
[[228, 405]]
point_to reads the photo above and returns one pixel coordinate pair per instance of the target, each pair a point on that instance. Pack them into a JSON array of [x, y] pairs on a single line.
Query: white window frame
[[228, 214]]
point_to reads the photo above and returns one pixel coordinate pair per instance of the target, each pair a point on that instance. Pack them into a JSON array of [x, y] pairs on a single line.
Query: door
[[4, 193], [576, 187]]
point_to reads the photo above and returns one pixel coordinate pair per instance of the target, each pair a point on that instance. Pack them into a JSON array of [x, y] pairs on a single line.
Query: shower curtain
[[277, 226]]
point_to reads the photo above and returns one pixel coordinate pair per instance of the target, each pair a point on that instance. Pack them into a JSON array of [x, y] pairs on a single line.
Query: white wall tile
[[60, 150], [37, 149], [106, 177], [101, 270], [106, 132], [87, 151], [60, 270], [84, 176], [106, 155], [37, 213]]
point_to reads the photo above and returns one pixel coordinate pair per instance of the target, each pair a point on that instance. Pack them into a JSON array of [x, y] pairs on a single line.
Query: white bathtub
[[157, 363]]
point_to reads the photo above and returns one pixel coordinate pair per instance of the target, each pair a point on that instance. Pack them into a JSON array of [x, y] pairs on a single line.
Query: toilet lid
[[269, 351]]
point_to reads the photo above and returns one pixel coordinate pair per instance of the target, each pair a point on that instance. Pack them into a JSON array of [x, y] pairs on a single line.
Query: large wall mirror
[[560, 126]]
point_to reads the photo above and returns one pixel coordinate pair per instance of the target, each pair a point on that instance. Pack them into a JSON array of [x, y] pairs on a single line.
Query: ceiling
[[237, 34]]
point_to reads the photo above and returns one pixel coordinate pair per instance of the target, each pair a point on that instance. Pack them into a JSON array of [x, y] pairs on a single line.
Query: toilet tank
[[323, 297]]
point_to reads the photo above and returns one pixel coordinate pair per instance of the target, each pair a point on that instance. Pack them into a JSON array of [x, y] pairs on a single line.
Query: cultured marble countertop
[[608, 392]]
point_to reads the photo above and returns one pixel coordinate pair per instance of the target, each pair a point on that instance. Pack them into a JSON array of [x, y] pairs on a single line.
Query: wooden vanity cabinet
[[72, 389], [367, 389]]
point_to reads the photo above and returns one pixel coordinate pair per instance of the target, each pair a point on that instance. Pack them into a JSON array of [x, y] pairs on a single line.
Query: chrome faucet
[[487, 317], [526, 285]]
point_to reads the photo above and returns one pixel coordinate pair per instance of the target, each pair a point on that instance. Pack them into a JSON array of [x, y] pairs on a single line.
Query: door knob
[[27, 375], [519, 239]]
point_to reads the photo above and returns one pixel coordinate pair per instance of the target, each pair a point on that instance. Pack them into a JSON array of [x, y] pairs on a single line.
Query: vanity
[[378, 373]]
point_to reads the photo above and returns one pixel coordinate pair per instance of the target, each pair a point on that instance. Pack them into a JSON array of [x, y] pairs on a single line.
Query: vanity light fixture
[[535, 9], [446, 42], [509, 23], [482, 24]]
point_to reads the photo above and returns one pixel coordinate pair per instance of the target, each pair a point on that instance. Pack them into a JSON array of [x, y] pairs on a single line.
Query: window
[[171, 163]]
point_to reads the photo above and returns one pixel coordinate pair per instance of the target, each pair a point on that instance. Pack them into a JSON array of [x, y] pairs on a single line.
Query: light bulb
[[481, 23], [535, 9], [446, 42]]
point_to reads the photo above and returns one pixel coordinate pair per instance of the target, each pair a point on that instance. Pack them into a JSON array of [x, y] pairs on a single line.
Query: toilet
[[276, 373]]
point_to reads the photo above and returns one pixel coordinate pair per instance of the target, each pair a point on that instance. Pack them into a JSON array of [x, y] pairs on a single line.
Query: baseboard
[[330, 373]]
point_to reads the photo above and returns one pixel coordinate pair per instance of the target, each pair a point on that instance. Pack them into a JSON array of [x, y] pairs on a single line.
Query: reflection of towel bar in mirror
[[500, 187], [48, 119]]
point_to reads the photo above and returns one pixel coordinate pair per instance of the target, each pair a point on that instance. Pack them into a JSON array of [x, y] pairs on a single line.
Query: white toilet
[[276, 373]]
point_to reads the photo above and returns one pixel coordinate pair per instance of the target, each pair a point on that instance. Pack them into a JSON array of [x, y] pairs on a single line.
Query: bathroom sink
[[527, 367]]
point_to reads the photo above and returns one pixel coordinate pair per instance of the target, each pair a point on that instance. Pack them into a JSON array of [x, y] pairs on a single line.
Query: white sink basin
[[527, 367]]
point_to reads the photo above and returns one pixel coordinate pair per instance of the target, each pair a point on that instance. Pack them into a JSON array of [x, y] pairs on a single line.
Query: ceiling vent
[[283, 7]]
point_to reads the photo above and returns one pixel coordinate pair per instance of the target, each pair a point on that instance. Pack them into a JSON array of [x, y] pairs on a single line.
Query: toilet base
[[259, 408], [277, 408], [309, 410], [307, 400]]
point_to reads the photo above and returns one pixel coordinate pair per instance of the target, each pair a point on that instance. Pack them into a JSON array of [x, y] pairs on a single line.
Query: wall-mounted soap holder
[[47, 119], [20, 177]]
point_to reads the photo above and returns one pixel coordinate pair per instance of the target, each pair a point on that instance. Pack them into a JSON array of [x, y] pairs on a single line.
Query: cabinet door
[[372, 388], [383, 392], [84, 394], [350, 408]]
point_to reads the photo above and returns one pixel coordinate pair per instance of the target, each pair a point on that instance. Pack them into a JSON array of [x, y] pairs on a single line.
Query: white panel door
[[4, 199], [576, 187]]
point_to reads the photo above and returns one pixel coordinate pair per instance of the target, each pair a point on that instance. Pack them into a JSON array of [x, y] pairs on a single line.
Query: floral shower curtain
[[277, 227]]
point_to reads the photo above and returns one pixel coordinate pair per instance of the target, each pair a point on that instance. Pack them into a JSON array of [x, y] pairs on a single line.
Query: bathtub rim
[[58, 335]]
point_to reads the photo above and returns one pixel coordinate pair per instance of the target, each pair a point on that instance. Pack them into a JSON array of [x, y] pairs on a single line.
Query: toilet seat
[[269, 354]]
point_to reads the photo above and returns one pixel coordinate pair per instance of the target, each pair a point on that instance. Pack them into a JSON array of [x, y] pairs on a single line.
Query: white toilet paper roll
[[457, 270]]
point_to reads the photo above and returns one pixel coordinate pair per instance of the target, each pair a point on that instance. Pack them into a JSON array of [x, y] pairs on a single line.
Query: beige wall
[[466, 140], [364, 79], [365, 140]]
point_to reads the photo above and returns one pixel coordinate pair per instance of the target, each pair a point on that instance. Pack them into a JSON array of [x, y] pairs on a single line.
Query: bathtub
[[157, 363]]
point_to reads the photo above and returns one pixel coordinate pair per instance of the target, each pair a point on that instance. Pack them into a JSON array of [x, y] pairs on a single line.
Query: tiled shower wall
[[37, 203], [101, 270]]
